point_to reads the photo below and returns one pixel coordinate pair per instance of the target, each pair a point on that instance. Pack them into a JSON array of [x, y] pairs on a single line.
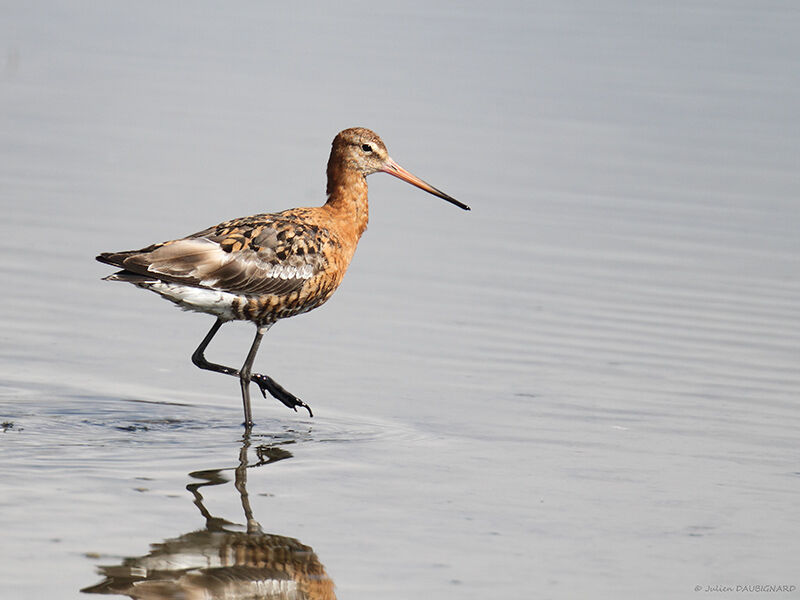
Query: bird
[[270, 266]]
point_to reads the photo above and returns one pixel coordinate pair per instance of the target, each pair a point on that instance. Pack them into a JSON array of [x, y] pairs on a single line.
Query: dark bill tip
[[392, 168]]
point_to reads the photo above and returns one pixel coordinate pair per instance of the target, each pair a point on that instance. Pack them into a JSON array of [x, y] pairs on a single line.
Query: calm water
[[589, 386]]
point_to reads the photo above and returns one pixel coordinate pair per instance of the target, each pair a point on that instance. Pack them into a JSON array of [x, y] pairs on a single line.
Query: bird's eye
[[366, 148]]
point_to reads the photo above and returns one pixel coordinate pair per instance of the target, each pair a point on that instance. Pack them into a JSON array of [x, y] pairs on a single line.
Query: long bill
[[392, 168]]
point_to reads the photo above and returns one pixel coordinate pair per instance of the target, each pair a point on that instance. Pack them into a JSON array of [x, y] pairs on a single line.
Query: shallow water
[[586, 387]]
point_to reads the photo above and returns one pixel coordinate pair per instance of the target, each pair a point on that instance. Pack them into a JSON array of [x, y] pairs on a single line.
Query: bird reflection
[[219, 562]]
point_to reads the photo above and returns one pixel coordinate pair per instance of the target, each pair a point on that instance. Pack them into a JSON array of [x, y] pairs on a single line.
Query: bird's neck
[[347, 197]]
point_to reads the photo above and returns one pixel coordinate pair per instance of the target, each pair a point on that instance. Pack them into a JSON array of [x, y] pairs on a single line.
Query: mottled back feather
[[261, 254]]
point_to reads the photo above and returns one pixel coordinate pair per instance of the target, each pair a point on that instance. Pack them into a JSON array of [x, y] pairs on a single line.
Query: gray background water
[[586, 387]]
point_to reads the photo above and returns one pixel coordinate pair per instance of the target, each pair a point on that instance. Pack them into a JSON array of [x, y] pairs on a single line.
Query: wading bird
[[271, 266]]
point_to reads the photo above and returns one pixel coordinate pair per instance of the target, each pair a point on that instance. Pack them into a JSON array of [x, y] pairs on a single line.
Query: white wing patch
[[283, 271]]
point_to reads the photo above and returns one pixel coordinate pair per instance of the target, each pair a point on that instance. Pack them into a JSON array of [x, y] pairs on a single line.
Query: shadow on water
[[221, 561]]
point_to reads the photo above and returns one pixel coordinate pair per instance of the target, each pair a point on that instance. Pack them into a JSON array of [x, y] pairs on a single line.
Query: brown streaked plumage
[[271, 266]]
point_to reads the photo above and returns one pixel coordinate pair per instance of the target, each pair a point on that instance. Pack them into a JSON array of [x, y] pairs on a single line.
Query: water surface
[[586, 387]]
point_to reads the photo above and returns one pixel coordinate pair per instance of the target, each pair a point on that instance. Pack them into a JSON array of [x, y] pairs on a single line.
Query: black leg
[[200, 360], [265, 383], [245, 374]]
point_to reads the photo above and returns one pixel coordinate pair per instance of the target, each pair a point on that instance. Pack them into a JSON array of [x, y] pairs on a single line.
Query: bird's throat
[[347, 198]]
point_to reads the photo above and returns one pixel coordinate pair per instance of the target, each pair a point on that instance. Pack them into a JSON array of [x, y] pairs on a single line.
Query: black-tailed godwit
[[269, 266]]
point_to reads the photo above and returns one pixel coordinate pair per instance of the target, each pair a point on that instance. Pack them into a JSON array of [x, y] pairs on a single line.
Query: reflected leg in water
[[219, 562], [267, 455], [265, 382]]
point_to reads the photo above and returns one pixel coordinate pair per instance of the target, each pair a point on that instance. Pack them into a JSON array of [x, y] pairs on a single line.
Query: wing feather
[[203, 262]]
